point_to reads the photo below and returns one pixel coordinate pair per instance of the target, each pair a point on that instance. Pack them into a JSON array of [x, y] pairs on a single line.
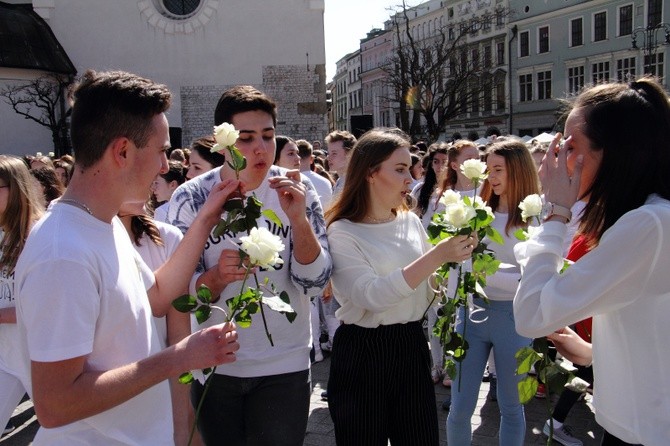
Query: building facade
[[559, 50], [376, 51], [198, 49]]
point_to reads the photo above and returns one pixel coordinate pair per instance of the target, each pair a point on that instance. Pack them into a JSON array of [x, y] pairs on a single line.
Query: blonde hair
[[23, 209]]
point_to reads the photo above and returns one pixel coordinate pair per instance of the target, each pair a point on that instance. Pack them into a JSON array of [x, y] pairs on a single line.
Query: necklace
[[379, 220], [76, 203]]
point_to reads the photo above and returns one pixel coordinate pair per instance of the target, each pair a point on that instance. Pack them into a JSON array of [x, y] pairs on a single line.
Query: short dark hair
[[304, 148], [243, 98], [110, 105], [347, 138]]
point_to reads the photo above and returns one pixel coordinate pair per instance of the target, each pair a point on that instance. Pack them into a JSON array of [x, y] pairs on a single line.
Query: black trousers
[[380, 388], [611, 440]]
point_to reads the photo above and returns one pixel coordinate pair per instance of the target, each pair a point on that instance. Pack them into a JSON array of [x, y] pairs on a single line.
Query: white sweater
[[624, 283], [292, 340], [367, 271]]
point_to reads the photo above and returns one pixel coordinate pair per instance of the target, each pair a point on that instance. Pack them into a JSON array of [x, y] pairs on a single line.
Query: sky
[[346, 22]]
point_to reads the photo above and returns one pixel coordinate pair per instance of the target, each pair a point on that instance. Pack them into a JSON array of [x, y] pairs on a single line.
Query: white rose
[[577, 385], [225, 136], [481, 204], [262, 247], [474, 170], [450, 197], [531, 206], [459, 214]]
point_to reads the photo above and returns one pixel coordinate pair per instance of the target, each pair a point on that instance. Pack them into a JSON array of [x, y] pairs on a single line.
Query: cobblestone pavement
[[320, 427]]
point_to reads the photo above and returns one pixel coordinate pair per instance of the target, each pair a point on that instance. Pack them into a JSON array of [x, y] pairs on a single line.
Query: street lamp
[[650, 42]]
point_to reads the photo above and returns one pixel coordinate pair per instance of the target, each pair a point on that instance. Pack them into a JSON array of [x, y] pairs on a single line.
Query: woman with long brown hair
[[20, 208], [380, 386]]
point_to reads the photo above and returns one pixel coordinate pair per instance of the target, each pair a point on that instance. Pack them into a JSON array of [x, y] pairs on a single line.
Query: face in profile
[[289, 158]]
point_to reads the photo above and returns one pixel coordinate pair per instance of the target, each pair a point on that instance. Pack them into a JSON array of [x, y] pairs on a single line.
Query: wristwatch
[[550, 209]]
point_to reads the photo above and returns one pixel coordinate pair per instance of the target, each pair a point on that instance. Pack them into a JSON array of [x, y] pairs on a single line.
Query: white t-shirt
[[256, 357], [154, 256], [81, 291], [624, 284], [322, 186], [160, 214], [367, 271], [13, 358]]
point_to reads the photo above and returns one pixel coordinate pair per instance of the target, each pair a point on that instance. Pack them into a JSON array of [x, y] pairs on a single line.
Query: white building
[[198, 48]]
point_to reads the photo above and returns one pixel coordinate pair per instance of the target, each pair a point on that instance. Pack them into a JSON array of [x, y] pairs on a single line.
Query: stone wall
[[300, 95]]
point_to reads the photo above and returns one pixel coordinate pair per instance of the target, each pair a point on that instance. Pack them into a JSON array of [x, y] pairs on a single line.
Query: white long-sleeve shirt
[[367, 270], [624, 283]]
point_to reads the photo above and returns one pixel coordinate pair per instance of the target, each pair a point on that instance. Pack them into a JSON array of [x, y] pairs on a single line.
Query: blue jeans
[[497, 332], [267, 410]]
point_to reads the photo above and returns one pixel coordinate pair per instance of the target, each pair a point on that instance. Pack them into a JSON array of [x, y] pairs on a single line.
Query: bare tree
[[43, 100], [439, 77]]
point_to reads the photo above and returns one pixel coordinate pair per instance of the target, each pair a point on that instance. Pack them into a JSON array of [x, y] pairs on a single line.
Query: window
[[464, 61], [462, 28], [474, 94], [451, 34], [500, 17], [474, 54], [600, 72], [599, 26], [523, 44], [543, 39], [180, 9], [525, 87], [575, 79], [487, 57], [654, 11], [500, 53], [487, 103], [625, 20], [653, 65], [544, 85], [486, 22], [577, 32], [500, 96], [625, 69]]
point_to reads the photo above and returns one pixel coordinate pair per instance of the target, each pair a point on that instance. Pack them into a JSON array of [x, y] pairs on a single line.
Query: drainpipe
[[515, 30]]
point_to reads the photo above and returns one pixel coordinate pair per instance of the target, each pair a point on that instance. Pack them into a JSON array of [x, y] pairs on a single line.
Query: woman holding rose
[[511, 177], [380, 386], [623, 281]]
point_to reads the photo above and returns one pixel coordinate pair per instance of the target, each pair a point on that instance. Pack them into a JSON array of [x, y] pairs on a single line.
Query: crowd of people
[[96, 246]]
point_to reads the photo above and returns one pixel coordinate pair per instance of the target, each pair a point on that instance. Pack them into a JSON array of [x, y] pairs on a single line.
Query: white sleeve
[[610, 277]]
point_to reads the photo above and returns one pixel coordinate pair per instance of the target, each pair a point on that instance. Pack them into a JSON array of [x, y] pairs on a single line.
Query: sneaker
[[436, 374], [541, 391], [493, 389], [9, 428], [562, 435]]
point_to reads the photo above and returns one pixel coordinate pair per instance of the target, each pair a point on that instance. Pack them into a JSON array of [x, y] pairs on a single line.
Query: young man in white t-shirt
[[85, 297]]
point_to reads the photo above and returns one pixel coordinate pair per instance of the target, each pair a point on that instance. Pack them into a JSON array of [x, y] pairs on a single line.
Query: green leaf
[[521, 234], [238, 160], [204, 294], [525, 358], [450, 368], [185, 303], [284, 297], [220, 228], [527, 388], [243, 319], [186, 378], [233, 203], [494, 235], [202, 313], [272, 216]]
